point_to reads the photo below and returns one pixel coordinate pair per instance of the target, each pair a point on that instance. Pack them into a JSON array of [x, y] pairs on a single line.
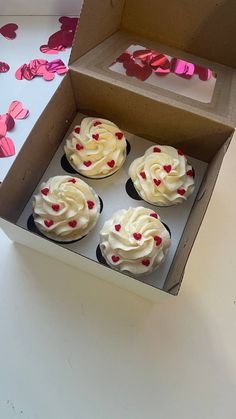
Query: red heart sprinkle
[[96, 123], [189, 173], [55, 207], [77, 130], [45, 191], [146, 262], [72, 223], [181, 191], [117, 227], [90, 204], [111, 163], [157, 182], [115, 259], [87, 163], [95, 137], [73, 180], [48, 223], [167, 168], [154, 215], [143, 175], [180, 152], [156, 150], [119, 135], [79, 147], [158, 240], [137, 236]]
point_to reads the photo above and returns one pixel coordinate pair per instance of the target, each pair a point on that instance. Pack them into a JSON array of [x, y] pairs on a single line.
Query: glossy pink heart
[[9, 30], [7, 147], [4, 67], [17, 111]]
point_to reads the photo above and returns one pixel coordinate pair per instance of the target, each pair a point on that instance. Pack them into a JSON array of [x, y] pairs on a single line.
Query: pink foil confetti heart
[[7, 148], [4, 67], [9, 31], [63, 38], [46, 50], [182, 68], [68, 23], [17, 111], [41, 68]]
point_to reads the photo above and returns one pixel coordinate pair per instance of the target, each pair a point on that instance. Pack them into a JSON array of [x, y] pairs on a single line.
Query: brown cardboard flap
[[98, 20], [37, 152]]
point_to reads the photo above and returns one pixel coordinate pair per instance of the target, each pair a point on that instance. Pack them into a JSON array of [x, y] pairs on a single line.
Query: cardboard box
[[203, 130]]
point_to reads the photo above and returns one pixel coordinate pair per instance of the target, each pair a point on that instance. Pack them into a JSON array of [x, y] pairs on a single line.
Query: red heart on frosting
[[45, 191], [146, 262], [137, 236], [90, 204], [96, 123], [143, 175], [87, 163], [95, 137], [189, 173], [119, 135], [167, 168], [48, 223], [181, 191], [154, 215], [72, 223], [158, 240], [117, 227], [56, 207], [79, 147], [115, 259], [156, 150], [77, 130], [111, 163], [157, 182]]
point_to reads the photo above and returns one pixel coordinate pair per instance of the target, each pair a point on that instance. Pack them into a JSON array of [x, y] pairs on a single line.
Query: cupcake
[[162, 176], [96, 149], [65, 208], [134, 241]]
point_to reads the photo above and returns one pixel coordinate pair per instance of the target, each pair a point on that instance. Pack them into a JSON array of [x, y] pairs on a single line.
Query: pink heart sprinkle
[[181, 191], [137, 236], [143, 175], [90, 204], [158, 240], [156, 150], [154, 215], [79, 147], [56, 207], [189, 173], [117, 227], [4, 67], [77, 130], [48, 223], [17, 111], [45, 191], [157, 182], [96, 123], [119, 135], [167, 168], [72, 223], [87, 163], [7, 148], [95, 137], [146, 262], [111, 163], [115, 259], [72, 180]]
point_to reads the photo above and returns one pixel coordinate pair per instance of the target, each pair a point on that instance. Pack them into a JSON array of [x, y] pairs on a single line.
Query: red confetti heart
[[96, 123], [156, 150], [157, 182], [204, 73], [167, 168], [146, 262], [117, 227], [115, 259], [90, 204], [56, 207], [72, 223], [68, 23], [17, 111], [119, 135], [9, 31], [111, 163], [181, 191], [158, 240], [87, 163], [45, 191], [73, 180], [137, 236], [154, 215], [48, 223], [8, 121], [7, 148], [189, 173], [79, 147], [95, 137], [4, 67], [143, 175], [77, 130]]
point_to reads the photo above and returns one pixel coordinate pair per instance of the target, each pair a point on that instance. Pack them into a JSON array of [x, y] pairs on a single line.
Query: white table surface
[[72, 346]]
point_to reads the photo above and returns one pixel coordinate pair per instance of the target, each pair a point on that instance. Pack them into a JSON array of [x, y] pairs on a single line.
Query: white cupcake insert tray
[[112, 191]]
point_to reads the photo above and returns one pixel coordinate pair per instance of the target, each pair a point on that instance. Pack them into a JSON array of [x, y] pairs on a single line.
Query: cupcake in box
[[162, 176], [65, 209], [97, 148], [134, 241]]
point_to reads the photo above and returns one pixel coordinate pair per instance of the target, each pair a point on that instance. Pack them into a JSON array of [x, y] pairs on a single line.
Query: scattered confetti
[[63, 38], [9, 31], [4, 67], [7, 123], [41, 68]]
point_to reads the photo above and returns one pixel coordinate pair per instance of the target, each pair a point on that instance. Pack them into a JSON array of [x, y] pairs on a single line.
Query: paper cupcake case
[[113, 193]]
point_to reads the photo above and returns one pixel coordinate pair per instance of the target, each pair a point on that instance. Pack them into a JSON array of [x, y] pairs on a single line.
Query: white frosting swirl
[[66, 208], [97, 148], [162, 176], [134, 241]]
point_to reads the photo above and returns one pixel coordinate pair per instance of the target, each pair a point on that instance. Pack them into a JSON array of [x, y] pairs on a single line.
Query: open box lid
[[201, 29]]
